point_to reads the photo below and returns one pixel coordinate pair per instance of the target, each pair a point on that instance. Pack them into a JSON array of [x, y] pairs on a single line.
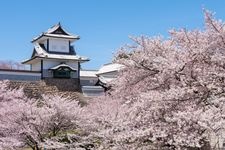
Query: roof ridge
[[63, 33]]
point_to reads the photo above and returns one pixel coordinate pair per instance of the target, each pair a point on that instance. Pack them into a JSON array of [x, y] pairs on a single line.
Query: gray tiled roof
[[51, 32], [41, 53]]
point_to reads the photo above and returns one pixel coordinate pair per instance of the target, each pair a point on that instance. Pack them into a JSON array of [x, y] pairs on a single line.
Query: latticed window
[[62, 72]]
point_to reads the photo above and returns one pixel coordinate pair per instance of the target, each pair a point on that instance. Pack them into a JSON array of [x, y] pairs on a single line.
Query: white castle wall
[[56, 45], [19, 75], [36, 66], [47, 64]]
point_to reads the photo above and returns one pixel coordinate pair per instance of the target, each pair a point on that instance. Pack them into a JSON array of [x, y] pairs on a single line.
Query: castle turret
[[54, 56]]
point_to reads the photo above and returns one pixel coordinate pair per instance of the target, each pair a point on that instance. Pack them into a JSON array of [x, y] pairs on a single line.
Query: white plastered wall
[[49, 63], [59, 45], [36, 66]]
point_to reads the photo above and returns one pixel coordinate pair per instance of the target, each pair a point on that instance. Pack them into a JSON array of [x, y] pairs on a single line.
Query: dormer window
[[62, 72]]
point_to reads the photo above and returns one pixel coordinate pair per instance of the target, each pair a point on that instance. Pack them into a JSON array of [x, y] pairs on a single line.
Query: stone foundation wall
[[35, 89], [64, 84]]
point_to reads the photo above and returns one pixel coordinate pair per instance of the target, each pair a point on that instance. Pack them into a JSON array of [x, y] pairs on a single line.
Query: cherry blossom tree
[[29, 122], [170, 93]]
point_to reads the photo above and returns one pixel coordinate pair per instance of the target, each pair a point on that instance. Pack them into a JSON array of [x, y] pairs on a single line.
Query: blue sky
[[103, 25]]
